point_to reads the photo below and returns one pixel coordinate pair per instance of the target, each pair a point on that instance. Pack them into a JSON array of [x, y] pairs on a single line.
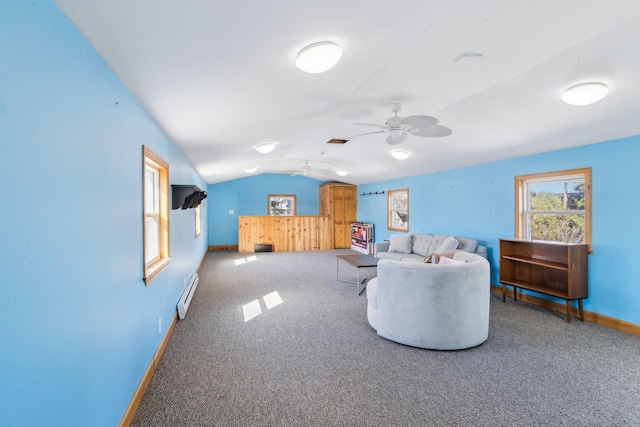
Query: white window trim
[[522, 207]]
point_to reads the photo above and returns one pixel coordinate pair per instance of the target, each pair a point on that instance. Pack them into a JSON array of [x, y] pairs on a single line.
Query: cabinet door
[[325, 200], [339, 218], [350, 208], [344, 209]]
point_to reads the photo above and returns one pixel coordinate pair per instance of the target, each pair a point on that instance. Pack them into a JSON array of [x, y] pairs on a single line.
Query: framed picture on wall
[[281, 204], [398, 210]]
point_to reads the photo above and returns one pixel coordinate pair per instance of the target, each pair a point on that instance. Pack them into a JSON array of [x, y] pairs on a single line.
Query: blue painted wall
[[248, 196], [79, 327], [478, 202]]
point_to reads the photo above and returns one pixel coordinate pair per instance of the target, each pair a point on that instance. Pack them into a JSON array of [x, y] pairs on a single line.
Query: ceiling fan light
[[585, 93], [318, 57], [251, 170], [266, 148], [400, 154], [342, 172], [395, 140]]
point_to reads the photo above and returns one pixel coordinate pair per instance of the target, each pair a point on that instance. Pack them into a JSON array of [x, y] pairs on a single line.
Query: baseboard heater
[[187, 295]]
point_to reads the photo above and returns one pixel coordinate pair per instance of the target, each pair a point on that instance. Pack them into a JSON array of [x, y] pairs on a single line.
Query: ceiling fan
[[399, 128], [306, 170]]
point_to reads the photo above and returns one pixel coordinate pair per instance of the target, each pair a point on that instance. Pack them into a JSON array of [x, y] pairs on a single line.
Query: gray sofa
[[427, 305], [416, 246]]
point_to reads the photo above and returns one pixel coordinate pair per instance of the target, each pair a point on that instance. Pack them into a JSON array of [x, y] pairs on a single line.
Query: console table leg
[[580, 309], [568, 311], [361, 282], [504, 292]]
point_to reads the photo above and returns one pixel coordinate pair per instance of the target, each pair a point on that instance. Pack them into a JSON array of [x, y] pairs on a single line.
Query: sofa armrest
[[482, 251], [444, 307], [380, 247]]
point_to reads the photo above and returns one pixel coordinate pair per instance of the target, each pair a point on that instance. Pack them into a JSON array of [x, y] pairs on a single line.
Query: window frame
[[198, 219], [158, 263], [397, 203], [521, 198]]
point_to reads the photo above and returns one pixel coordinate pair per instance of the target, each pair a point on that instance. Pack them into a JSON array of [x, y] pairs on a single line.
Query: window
[[554, 206], [198, 220], [155, 188], [398, 210]]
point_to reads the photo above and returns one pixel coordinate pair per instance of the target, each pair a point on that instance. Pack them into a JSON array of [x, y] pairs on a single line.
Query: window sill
[[152, 270]]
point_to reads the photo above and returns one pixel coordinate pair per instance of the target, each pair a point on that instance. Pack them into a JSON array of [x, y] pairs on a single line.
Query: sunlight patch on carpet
[[253, 309], [250, 258], [273, 299]]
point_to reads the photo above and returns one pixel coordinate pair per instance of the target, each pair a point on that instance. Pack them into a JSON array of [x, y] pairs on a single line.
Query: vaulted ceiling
[[220, 78]]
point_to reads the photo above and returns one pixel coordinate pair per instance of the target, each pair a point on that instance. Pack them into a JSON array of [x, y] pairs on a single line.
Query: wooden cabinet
[[339, 202], [556, 269]]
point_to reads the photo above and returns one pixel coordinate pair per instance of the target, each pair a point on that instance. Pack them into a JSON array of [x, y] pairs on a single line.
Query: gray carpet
[[314, 360]]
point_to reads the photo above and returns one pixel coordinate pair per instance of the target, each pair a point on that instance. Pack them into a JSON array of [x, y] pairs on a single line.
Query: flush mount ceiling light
[[585, 93], [342, 172], [266, 148], [251, 170], [400, 154], [318, 57]]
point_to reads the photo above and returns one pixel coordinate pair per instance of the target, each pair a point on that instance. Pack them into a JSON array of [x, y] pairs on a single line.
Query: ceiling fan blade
[[367, 133], [395, 140], [434, 132], [420, 122], [370, 124]]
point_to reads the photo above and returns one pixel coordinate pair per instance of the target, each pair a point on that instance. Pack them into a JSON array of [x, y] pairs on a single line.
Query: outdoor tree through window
[[554, 206]]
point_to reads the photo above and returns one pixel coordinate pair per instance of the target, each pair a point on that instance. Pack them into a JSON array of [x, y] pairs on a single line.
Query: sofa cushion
[[400, 244], [412, 258], [436, 243], [421, 244], [467, 245], [449, 244], [444, 260], [434, 257], [390, 255], [400, 256]]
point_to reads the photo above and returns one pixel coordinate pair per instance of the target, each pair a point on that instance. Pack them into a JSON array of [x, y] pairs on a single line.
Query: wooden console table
[[556, 269]]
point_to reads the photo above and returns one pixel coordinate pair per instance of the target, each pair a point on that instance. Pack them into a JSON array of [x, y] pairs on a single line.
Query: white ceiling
[[220, 78]]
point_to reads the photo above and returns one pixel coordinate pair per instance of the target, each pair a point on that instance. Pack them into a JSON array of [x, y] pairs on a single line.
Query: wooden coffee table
[[359, 262]]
